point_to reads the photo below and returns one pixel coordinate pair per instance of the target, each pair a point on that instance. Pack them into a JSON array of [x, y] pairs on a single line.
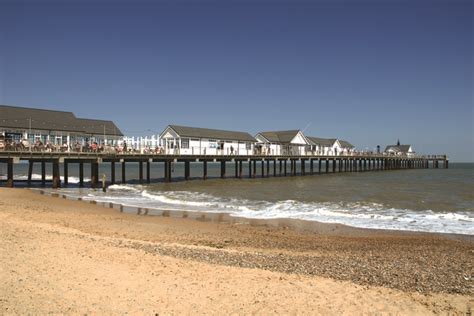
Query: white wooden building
[[325, 146], [400, 150], [283, 143], [183, 140]]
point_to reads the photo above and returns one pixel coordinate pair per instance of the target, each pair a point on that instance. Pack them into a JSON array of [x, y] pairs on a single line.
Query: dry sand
[[60, 256]]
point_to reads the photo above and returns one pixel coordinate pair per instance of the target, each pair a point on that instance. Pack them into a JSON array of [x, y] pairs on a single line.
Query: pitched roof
[[400, 148], [279, 136], [41, 119], [345, 144], [198, 132], [322, 141]]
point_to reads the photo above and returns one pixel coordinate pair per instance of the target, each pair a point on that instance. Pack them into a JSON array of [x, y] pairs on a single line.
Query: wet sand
[[65, 256]]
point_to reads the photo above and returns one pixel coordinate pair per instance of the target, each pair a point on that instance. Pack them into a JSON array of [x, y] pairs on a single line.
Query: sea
[[424, 200]]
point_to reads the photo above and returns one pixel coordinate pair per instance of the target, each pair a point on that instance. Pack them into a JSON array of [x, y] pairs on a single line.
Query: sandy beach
[[68, 257]]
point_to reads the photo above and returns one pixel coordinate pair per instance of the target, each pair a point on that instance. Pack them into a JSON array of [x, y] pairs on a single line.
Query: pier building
[[400, 150], [184, 140], [25, 127], [286, 143]]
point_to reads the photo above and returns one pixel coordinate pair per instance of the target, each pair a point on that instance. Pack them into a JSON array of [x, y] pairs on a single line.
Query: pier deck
[[257, 165]]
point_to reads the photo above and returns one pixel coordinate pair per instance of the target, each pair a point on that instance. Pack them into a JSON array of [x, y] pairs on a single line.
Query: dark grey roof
[[198, 132], [283, 137], [401, 148], [39, 119], [321, 141], [345, 144]]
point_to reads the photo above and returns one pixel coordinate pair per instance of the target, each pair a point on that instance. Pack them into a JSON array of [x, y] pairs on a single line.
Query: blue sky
[[366, 71]]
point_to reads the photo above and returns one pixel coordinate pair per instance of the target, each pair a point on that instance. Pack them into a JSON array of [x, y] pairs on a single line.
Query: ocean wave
[[48, 177], [364, 215]]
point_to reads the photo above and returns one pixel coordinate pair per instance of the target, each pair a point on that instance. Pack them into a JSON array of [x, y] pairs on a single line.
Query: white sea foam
[[36, 177], [364, 215]]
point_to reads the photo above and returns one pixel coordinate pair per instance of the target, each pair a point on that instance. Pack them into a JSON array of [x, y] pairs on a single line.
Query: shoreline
[[223, 217], [345, 266]]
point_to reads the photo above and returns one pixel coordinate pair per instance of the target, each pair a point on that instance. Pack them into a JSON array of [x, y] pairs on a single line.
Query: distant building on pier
[[400, 150], [184, 140], [292, 143], [56, 127]]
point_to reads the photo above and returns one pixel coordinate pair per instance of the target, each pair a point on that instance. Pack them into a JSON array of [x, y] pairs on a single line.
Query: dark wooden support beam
[[236, 163], [112, 172], [365, 164], [334, 166], [30, 171], [204, 170], [254, 174], [274, 167], [66, 172], [124, 172], [81, 174], [148, 175], [140, 171], [327, 165], [319, 165], [240, 169], [43, 173], [285, 161], [281, 167], [223, 169], [187, 170], [169, 172], [56, 176], [268, 167], [94, 174], [250, 168], [311, 166], [303, 167], [263, 168], [10, 173]]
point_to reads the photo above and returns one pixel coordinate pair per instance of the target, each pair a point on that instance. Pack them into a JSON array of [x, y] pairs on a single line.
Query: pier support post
[[263, 168], [360, 165], [281, 165], [446, 164], [30, 171], [124, 180], [311, 166], [268, 167], [236, 166], [43, 173], [250, 168], [240, 169], [169, 171], [112, 172], [274, 168], [319, 165], [204, 170], [365, 164], [81, 174], [187, 170], [223, 169], [254, 174], [334, 166], [303, 167], [140, 171], [285, 167], [66, 173], [94, 174], [148, 177], [327, 165], [56, 176], [10, 173]]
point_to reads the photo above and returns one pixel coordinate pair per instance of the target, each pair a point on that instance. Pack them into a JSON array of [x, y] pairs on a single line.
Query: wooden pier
[[258, 166]]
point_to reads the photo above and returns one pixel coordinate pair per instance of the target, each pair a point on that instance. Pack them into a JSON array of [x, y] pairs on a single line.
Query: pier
[[231, 166]]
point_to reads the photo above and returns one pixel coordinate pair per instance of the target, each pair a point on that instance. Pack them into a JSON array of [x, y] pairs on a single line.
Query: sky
[[370, 72]]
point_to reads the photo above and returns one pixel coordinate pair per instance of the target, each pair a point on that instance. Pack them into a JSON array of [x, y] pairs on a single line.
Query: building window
[[185, 143], [248, 146]]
